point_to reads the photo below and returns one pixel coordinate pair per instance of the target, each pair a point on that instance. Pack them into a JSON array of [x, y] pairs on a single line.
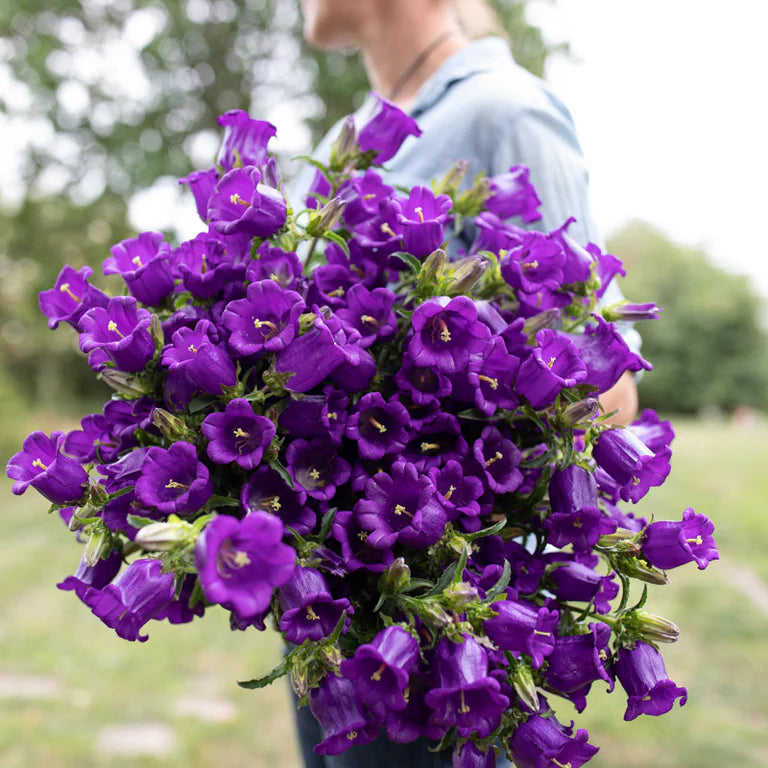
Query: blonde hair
[[478, 18]]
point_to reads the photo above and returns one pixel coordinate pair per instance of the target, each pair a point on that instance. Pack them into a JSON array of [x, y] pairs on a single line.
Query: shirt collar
[[477, 56]]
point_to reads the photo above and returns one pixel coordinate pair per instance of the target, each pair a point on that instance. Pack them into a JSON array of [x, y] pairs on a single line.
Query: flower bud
[[98, 543], [398, 576], [629, 312], [345, 145], [460, 595], [156, 332], [449, 184], [650, 627], [326, 218], [470, 202], [467, 274], [525, 687], [331, 656], [98, 495], [163, 537], [124, 383], [300, 681], [583, 410], [169, 425], [546, 319], [434, 615], [637, 569], [432, 267]]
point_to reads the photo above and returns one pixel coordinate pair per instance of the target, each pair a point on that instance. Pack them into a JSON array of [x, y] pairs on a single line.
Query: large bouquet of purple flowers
[[399, 457]]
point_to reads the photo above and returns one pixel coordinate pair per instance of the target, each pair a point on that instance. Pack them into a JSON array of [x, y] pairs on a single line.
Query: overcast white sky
[[671, 105]]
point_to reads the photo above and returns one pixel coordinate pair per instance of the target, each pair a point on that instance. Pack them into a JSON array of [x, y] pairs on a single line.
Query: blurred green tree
[[710, 350]]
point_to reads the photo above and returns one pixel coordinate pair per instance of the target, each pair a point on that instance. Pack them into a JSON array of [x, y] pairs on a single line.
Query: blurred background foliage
[[118, 94]]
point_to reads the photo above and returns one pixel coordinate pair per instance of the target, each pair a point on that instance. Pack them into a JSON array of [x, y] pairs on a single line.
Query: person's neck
[[392, 45]]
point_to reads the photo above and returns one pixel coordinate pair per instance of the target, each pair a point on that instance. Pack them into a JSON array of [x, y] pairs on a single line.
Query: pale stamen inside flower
[[698, 540], [498, 455], [377, 674], [192, 348], [577, 523], [401, 510], [259, 324], [228, 560], [382, 429], [551, 362], [541, 632], [445, 334], [333, 415], [311, 615], [603, 655], [424, 447], [530, 264], [420, 213], [370, 320], [237, 200], [66, 289], [203, 265], [137, 261], [449, 493], [39, 463], [173, 484], [369, 196], [387, 230], [357, 270], [242, 438], [314, 474], [338, 293], [352, 735], [559, 764], [363, 536], [635, 480], [271, 502], [494, 383], [463, 709], [112, 326]]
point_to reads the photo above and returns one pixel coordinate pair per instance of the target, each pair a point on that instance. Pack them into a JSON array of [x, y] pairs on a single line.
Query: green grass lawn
[[88, 680]]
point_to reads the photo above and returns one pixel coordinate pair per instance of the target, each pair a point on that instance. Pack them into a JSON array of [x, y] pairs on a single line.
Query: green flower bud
[[397, 576], [467, 274], [326, 218], [524, 685], [432, 267], [650, 627], [638, 569], [344, 147], [124, 383], [584, 410], [449, 183], [156, 331], [169, 425], [434, 615], [460, 595], [98, 544], [164, 537], [546, 319]]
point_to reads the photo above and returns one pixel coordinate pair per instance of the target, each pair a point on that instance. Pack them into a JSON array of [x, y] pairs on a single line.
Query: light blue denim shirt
[[482, 107]]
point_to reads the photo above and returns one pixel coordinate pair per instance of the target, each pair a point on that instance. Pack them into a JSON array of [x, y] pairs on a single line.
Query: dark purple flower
[[71, 297], [465, 697], [355, 549], [576, 581], [424, 384], [119, 331], [492, 378], [267, 491], [319, 191], [143, 263], [309, 610], [494, 235], [241, 562], [93, 441], [579, 660], [316, 467], [606, 268], [643, 676], [553, 365], [174, 480], [381, 235], [669, 543], [499, 459], [335, 707], [512, 194], [181, 610], [423, 216], [41, 464], [523, 627], [385, 132], [237, 434], [626, 459], [459, 492], [446, 333], [469, 755], [370, 313], [273, 263], [268, 319], [97, 576], [204, 266], [137, 595], [380, 670], [627, 312], [606, 355], [656, 434], [245, 140], [310, 358], [575, 517], [541, 742], [378, 426], [194, 353], [535, 264], [241, 204], [578, 260], [437, 441], [363, 195], [401, 506], [202, 184]]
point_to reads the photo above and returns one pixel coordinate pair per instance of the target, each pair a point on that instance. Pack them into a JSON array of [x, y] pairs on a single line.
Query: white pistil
[[382, 429], [237, 200], [698, 540], [112, 326], [449, 493], [173, 484], [541, 632], [463, 709], [498, 455], [559, 764], [39, 463], [333, 415], [64, 288], [370, 320], [551, 362], [137, 261], [192, 348], [311, 615], [420, 213], [494, 383], [530, 264], [377, 674], [424, 447], [387, 230], [401, 510]]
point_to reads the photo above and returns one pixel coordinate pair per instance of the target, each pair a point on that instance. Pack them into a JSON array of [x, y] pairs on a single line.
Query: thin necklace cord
[[417, 62]]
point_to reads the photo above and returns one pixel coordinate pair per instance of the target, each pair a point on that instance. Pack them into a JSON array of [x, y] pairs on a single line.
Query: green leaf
[[339, 240], [282, 471], [121, 492], [337, 630], [262, 682], [223, 501], [492, 530], [327, 521], [137, 521], [501, 584], [200, 403], [410, 260]]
